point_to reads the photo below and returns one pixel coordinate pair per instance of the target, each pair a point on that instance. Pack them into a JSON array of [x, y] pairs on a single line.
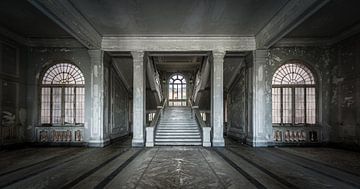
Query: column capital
[[218, 54], [138, 55], [94, 52]]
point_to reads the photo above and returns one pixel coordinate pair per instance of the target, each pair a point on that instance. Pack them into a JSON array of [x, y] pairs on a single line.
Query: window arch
[[293, 95], [62, 95], [177, 90]]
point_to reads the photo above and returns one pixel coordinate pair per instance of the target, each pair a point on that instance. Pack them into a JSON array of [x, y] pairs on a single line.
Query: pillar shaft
[[217, 100], [260, 120], [139, 89], [98, 135]]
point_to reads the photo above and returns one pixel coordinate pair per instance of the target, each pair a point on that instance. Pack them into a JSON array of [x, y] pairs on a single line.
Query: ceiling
[[21, 17], [177, 63], [178, 18], [335, 17]]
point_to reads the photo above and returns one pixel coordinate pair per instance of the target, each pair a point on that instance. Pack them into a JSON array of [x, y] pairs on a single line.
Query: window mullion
[[51, 105], [293, 105], [74, 106], [305, 105], [63, 105], [281, 106]]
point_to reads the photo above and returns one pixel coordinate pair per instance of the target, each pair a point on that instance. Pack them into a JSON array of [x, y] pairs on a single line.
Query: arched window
[[293, 95], [62, 95], [177, 90]]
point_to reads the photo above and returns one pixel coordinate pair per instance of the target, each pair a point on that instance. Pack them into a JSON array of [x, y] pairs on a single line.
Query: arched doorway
[[177, 90]]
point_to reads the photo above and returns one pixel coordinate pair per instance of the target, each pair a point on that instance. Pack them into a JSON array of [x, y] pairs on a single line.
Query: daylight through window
[[293, 95], [62, 95]]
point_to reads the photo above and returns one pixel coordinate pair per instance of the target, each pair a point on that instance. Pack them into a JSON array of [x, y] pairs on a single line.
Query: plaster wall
[[345, 94], [240, 106], [13, 65], [38, 60], [116, 99]]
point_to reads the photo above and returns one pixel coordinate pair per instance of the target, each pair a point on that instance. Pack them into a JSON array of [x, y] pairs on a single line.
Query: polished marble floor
[[236, 166]]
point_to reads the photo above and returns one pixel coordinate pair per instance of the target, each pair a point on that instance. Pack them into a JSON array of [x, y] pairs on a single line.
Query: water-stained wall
[[38, 60], [13, 64], [116, 103], [240, 104], [345, 93], [237, 107]]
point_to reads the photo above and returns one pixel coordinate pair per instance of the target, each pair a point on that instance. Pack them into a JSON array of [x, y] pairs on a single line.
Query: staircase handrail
[[158, 113], [196, 112]]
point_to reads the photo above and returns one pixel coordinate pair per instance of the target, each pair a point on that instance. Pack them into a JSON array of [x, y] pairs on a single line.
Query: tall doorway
[[177, 90]]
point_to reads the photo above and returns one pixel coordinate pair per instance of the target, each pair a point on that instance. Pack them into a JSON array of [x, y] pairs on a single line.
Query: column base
[[98, 143], [218, 143], [259, 143], [149, 137], [137, 143]]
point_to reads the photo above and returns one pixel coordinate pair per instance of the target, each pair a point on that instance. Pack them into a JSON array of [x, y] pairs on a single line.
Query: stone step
[[178, 134], [180, 123], [178, 130], [175, 128], [177, 139], [178, 143]]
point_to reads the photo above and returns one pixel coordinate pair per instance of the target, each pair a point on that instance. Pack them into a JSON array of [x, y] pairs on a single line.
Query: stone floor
[[236, 166]]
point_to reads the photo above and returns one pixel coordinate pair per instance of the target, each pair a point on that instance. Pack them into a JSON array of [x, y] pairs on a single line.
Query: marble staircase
[[177, 127]]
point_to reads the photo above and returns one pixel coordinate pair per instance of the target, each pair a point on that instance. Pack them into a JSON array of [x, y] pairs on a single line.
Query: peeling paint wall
[[237, 107], [38, 60], [116, 103], [319, 60], [13, 64], [345, 93]]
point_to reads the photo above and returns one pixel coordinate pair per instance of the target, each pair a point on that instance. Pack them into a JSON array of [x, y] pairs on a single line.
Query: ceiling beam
[[355, 29], [303, 42], [13, 36], [71, 20], [178, 44], [54, 42], [287, 19]]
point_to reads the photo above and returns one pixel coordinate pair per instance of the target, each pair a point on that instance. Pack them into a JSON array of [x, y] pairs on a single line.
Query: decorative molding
[[71, 20], [54, 42], [13, 36], [288, 18], [178, 43], [303, 42]]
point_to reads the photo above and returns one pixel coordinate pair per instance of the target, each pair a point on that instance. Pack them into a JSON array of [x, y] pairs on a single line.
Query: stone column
[[139, 89], [260, 120], [217, 100], [98, 135]]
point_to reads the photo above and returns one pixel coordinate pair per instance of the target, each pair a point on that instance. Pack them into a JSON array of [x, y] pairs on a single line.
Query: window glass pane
[[287, 105], [56, 105], [293, 74], [63, 73], [80, 103], [183, 92], [177, 91], [310, 105], [276, 105], [299, 105], [45, 105], [69, 105]]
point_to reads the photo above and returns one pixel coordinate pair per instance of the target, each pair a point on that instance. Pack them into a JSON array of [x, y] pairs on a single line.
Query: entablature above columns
[[178, 44]]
